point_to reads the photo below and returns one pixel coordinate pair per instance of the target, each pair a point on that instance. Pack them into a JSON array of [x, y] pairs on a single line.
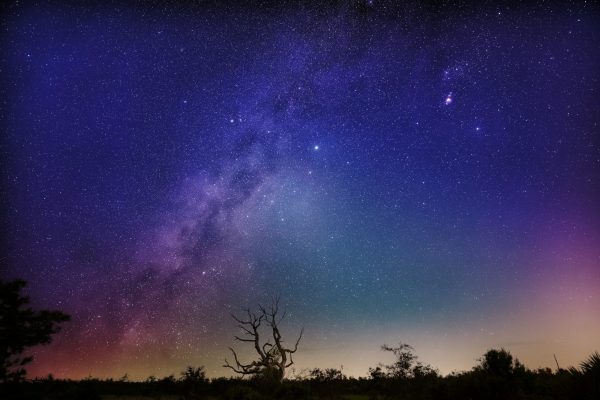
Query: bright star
[[316, 147], [448, 100]]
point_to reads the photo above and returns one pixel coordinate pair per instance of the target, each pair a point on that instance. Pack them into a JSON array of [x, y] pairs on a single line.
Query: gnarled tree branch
[[273, 357]]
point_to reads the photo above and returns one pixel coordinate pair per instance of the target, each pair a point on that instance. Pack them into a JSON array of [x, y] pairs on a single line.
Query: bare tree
[[273, 357]]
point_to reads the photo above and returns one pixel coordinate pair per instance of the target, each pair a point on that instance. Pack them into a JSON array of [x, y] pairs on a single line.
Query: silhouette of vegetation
[[326, 375], [591, 365], [194, 375], [273, 357], [193, 379], [588, 375], [498, 375], [499, 363], [405, 365], [21, 328]]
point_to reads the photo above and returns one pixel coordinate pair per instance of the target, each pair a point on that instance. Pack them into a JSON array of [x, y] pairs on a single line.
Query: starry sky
[[425, 173]]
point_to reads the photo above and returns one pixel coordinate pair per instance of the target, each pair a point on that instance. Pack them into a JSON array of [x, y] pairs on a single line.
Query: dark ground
[[476, 384]]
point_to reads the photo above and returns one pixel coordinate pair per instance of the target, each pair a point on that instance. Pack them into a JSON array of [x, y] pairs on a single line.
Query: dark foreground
[[476, 384]]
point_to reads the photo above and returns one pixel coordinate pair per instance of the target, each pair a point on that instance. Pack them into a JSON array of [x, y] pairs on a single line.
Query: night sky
[[415, 173]]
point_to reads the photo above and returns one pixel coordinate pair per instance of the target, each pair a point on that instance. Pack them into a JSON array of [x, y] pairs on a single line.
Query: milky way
[[409, 173]]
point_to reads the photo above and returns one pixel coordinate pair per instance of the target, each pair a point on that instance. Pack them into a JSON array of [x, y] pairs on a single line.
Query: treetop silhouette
[[21, 328]]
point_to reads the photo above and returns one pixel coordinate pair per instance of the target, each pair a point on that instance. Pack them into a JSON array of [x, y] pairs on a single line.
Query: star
[[316, 147]]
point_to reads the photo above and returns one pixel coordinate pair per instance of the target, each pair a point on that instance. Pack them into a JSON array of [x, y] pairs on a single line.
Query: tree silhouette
[[499, 363], [21, 328], [274, 358], [405, 365], [404, 360]]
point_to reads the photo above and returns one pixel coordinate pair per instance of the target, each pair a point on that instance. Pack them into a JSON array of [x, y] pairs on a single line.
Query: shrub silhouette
[[587, 377], [498, 363], [193, 379], [591, 366], [405, 366], [326, 375], [193, 375]]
